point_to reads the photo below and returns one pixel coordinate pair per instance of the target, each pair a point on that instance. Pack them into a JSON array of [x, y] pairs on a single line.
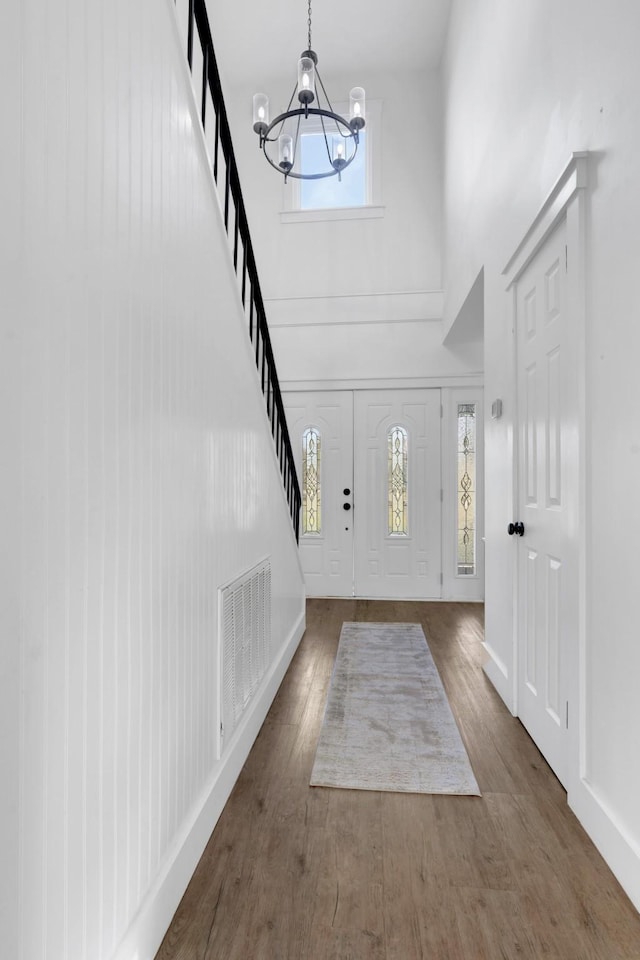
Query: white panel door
[[397, 557], [326, 546], [547, 497]]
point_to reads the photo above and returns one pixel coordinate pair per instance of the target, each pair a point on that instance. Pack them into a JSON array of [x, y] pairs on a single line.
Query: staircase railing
[[225, 173]]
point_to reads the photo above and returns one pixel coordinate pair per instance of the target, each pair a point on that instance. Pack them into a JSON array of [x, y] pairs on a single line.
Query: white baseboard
[[619, 849], [498, 674], [144, 936]]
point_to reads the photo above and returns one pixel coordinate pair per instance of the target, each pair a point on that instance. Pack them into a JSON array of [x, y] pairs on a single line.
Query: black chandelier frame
[[337, 165], [349, 130]]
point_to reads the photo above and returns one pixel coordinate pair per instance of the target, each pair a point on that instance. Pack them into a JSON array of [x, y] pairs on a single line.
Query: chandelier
[[341, 136]]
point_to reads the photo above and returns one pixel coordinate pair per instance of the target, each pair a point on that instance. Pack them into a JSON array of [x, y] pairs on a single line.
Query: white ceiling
[[258, 41]]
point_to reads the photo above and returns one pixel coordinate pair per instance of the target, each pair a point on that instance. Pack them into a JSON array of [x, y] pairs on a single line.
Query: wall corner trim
[[496, 671], [354, 309], [573, 178]]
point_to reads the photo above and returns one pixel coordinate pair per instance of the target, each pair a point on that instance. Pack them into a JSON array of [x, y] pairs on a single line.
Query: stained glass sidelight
[[397, 494], [311, 515], [466, 489]]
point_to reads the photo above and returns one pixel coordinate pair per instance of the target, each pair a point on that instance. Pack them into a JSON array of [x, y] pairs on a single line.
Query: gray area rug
[[388, 724]]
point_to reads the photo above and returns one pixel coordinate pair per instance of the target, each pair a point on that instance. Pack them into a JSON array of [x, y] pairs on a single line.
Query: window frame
[[373, 208]]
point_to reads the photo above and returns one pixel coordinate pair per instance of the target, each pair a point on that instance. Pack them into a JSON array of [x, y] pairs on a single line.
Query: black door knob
[[511, 529], [520, 528], [346, 506], [346, 491]]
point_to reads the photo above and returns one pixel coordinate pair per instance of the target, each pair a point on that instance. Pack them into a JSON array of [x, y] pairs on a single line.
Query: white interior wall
[[397, 253], [139, 475], [527, 84], [351, 352], [357, 298]]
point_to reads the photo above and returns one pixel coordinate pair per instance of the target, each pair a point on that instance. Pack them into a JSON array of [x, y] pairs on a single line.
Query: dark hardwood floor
[[294, 872]]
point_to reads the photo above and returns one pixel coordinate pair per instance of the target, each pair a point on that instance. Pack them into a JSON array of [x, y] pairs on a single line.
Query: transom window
[[348, 191], [357, 194]]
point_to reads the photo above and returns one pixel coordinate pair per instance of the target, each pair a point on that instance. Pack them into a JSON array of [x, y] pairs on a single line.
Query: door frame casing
[[566, 201], [450, 387]]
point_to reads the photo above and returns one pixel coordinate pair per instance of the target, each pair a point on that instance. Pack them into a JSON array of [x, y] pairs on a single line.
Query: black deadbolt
[[346, 491]]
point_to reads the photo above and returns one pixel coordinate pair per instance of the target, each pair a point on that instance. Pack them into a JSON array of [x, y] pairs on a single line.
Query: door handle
[[346, 506], [517, 527]]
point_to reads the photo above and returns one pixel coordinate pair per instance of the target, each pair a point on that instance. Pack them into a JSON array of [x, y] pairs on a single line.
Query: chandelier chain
[[309, 24]]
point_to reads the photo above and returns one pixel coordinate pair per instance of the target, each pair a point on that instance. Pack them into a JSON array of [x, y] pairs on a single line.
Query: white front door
[[321, 431], [384, 521], [547, 500], [397, 484]]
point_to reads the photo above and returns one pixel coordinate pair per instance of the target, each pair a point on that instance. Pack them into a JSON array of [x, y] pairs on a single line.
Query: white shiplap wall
[[138, 475]]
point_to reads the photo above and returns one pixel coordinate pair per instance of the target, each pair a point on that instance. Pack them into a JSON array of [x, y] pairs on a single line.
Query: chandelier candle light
[[341, 136]]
